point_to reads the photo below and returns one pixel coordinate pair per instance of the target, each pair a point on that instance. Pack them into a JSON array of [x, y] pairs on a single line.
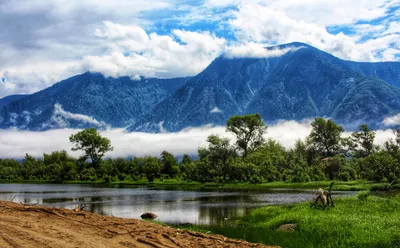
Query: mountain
[[89, 99], [302, 83], [11, 98]]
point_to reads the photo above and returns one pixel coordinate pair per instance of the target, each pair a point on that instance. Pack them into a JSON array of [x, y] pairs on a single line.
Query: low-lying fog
[[16, 143]]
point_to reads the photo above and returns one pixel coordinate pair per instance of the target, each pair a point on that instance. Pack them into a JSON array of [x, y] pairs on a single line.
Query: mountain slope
[[303, 83], [211, 97], [8, 99], [88, 99]]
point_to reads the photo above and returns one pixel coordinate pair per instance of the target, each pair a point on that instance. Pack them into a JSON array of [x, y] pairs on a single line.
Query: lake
[[173, 205]]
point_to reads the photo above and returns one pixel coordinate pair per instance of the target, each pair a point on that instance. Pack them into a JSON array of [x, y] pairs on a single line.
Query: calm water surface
[[176, 206]]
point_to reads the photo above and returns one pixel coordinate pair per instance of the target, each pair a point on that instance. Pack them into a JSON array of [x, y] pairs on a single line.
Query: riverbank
[[338, 185], [36, 226], [354, 222]]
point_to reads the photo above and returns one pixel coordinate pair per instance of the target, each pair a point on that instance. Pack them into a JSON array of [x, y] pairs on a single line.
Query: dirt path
[[36, 226]]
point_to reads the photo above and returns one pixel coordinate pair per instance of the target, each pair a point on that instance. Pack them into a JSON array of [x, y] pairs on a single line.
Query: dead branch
[[325, 197]]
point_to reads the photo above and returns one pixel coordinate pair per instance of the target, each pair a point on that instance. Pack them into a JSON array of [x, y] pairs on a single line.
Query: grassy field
[[372, 222], [338, 185]]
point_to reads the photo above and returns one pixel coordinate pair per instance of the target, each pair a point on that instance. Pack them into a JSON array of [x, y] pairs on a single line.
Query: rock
[[149, 216], [288, 227]]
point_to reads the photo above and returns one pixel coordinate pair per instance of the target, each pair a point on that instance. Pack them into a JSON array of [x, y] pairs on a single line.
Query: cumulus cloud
[[269, 24], [16, 143], [135, 52]]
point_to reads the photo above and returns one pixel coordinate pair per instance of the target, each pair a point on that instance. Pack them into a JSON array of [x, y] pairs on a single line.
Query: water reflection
[[172, 206]]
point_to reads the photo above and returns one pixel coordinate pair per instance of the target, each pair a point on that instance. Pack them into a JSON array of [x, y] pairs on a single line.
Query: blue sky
[[43, 42]]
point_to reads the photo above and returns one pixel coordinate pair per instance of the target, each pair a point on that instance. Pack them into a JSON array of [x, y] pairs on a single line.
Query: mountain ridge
[[303, 82], [115, 101]]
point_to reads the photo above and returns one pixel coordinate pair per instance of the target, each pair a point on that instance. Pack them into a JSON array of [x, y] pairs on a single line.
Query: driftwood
[[29, 204], [391, 184], [325, 197]]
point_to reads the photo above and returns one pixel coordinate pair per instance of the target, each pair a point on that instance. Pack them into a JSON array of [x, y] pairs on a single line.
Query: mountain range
[[303, 82]]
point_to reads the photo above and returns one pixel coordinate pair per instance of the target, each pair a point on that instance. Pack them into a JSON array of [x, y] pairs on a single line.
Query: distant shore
[[338, 185]]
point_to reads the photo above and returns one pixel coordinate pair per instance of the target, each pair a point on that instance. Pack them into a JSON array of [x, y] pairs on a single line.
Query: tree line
[[324, 155]]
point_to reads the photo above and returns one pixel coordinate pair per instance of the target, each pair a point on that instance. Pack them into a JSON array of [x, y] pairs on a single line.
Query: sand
[[37, 226]]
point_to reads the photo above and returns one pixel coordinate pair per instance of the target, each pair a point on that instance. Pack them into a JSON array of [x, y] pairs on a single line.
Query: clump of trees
[[324, 155]]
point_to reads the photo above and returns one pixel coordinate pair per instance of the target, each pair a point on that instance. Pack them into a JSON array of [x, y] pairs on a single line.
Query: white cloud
[[392, 120], [153, 55], [267, 24], [60, 118], [256, 50], [16, 143]]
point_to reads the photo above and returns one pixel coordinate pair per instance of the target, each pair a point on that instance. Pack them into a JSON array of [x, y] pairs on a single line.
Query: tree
[[186, 159], [325, 136], [249, 130], [219, 149], [169, 164], [362, 143], [151, 168], [91, 142], [217, 154]]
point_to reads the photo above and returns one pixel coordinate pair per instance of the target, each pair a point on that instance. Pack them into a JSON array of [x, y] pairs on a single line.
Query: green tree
[[362, 142], [217, 154], [325, 136], [91, 142], [186, 159], [393, 145], [249, 130], [151, 168], [169, 164]]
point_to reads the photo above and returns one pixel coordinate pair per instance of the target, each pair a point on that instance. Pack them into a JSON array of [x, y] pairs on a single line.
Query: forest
[[324, 155]]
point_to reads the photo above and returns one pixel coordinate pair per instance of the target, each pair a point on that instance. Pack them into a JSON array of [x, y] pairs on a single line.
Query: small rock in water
[[288, 227], [149, 216]]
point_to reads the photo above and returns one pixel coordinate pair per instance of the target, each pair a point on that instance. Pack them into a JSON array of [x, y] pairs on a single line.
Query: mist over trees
[[323, 155]]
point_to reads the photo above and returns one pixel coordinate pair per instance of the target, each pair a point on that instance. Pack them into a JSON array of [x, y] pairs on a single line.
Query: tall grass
[[372, 222]]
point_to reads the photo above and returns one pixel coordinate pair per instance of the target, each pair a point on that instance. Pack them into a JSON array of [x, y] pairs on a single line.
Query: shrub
[[344, 176], [363, 195]]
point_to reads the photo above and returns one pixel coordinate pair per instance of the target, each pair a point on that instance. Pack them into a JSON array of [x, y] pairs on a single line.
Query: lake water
[[172, 205]]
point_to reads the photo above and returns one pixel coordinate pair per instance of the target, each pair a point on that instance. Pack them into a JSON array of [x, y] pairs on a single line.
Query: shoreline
[[337, 186]]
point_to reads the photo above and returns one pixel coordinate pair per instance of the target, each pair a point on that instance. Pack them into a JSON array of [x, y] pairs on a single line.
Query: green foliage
[[217, 154], [249, 130], [169, 164], [92, 144], [363, 195], [361, 143], [151, 168], [265, 161], [325, 136]]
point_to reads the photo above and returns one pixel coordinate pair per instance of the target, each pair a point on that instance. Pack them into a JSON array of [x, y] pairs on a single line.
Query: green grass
[[338, 185], [374, 222]]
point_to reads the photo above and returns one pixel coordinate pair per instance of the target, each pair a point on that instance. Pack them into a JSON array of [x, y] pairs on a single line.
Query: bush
[[344, 176], [363, 195], [128, 178]]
